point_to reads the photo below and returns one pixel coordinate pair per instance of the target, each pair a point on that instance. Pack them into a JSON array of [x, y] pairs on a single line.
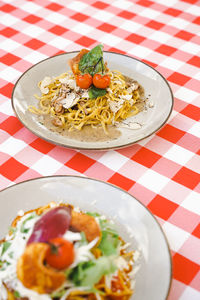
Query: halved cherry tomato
[[100, 81], [60, 253], [84, 81]]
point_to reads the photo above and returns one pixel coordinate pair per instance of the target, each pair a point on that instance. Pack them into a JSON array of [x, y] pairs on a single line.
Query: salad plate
[[146, 122], [134, 222]]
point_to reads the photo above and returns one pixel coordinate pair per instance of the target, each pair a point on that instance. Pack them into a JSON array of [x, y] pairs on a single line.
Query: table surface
[[161, 171]]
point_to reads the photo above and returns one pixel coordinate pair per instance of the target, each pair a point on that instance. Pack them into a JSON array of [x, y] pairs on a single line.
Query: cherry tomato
[[100, 81], [84, 81], [60, 253]]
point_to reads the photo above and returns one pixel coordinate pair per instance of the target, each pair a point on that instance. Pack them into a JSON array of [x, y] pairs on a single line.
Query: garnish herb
[[110, 239], [92, 62], [23, 228], [17, 294], [5, 247], [90, 272], [95, 92]]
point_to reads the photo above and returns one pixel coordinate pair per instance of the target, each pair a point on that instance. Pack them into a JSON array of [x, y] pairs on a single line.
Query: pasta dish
[[60, 252], [90, 94]]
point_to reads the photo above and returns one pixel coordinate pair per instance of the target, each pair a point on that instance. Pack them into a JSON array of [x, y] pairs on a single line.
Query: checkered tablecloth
[[162, 171]]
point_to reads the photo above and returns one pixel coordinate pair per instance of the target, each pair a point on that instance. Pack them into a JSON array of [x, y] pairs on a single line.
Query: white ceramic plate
[[153, 279], [153, 83]]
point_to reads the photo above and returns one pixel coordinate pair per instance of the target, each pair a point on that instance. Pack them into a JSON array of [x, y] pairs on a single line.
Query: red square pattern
[[192, 112], [9, 59], [6, 90], [42, 146], [85, 41], [178, 78], [135, 38], [12, 169], [58, 30], [190, 1], [80, 162], [100, 5], [155, 25], [106, 27], [196, 231], [126, 14], [149, 63], [184, 269], [80, 17], [8, 32], [7, 8], [34, 44], [197, 21], [195, 61], [11, 125], [113, 49], [166, 50], [121, 181], [146, 157], [145, 3], [162, 207], [187, 178], [172, 12], [171, 133], [32, 19], [184, 35], [54, 6]]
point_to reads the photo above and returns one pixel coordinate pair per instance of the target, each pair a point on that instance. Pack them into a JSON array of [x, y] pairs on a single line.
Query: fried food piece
[[32, 272], [73, 62], [85, 223]]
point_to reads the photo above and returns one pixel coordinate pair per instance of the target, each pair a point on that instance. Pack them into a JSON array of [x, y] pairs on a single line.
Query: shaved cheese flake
[[44, 83]]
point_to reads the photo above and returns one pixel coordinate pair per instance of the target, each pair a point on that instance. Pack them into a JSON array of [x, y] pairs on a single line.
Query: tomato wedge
[[84, 81], [60, 254], [100, 81]]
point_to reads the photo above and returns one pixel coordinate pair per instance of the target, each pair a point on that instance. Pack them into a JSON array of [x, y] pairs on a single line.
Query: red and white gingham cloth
[[162, 171]]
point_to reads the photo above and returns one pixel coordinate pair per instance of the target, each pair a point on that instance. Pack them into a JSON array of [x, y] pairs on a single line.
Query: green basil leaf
[[92, 62], [95, 92]]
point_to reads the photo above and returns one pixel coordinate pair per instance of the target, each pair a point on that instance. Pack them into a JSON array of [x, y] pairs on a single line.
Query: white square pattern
[[35, 57], [60, 43], [110, 39], [56, 18], [192, 202], [176, 236], [113, 160], [186, 94], [12, 146], [103, 15], [153, 181], [9, 45], [82, 28], [122, 4], [77, 5], [33, 31], [9, 74], [46, 166], [179, 155]]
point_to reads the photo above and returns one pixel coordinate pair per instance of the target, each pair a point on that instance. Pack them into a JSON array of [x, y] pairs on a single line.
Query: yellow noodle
[[90, 111]]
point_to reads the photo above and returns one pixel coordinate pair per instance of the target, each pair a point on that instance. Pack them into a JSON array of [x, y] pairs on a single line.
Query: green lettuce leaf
[[95, 92], [90, 272], [92, 62], [110, 242]]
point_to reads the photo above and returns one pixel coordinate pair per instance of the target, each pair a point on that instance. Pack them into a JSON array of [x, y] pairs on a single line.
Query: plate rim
[[120, 189], [82, 147]]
